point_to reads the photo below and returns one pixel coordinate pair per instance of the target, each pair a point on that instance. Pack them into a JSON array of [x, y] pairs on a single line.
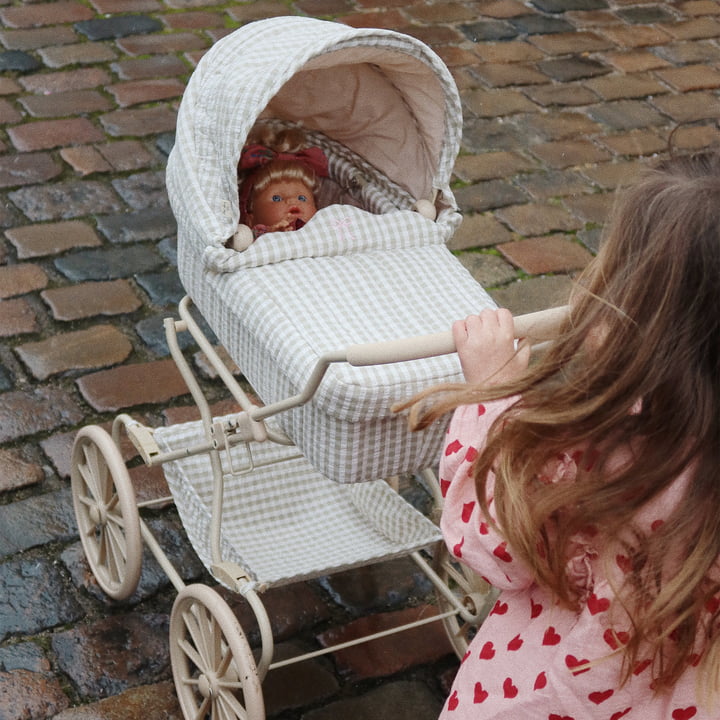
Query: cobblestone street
[[563, 100]]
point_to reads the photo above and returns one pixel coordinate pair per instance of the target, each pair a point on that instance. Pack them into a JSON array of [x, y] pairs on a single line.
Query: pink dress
[[532, 659]]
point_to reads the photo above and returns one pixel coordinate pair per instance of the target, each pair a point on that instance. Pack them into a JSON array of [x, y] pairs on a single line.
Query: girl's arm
[[468, 534], [488, 356]]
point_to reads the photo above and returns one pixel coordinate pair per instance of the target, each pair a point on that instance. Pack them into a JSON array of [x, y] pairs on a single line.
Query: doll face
[[282, 203]]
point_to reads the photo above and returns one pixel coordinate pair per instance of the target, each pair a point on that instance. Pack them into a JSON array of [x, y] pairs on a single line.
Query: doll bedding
[[347, 277]]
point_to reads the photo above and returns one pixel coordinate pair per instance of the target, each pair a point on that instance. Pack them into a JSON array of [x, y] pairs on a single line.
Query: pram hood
[[383, 95]]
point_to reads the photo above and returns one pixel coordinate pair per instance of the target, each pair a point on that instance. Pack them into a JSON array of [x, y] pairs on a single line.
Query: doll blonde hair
[[652, 298]]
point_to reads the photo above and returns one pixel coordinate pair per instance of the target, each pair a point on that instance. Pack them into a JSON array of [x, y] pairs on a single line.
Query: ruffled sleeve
[[468, 534]]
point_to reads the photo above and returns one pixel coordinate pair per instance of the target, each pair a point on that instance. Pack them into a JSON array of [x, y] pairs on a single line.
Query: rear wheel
[[473, 599], [106, 512], [213, 667]]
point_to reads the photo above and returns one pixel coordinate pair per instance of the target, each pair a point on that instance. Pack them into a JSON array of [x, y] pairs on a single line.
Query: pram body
[[385, 110], [294, 489]]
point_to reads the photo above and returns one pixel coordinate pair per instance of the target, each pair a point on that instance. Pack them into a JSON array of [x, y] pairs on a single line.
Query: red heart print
[[481, 410], [600, 697], [615, 639], [488, 651], [622, 713], [535, 609], [453, 447], [656, 524], [712, 605], [465, 656], [444, 487], [624, 563], [457, 548], [501, 552], [484, 528], [453, 701], [515, 643], [471, 454], [573, 663], [554, 716], [480, 694], [597, 605], [551, 637], [540, 681], [467, 511], [641, 666], [500, 608], [684, 713], [509, 689]]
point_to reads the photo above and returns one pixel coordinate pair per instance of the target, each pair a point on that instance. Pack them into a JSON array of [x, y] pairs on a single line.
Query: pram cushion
[[341, 230]]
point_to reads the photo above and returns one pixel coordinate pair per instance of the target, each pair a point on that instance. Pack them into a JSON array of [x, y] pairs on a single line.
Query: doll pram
[[293, 489], [386, 111]]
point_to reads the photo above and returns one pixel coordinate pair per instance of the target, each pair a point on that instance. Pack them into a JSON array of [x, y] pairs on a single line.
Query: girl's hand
[[486, 347]]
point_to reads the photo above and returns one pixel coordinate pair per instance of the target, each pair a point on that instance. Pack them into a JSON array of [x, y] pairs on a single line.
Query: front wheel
[[106, 512], [212, 663]]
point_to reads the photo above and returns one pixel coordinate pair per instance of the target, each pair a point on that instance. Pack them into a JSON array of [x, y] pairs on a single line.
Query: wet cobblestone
[[563, 100]]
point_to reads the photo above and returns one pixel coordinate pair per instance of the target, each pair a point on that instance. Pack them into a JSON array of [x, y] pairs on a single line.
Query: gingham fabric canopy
[[385, 96]]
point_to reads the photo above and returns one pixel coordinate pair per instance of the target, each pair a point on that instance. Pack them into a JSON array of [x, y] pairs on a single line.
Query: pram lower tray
[[275, 499]]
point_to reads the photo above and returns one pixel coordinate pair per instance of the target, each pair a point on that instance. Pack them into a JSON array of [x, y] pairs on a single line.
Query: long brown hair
[[644, 325]]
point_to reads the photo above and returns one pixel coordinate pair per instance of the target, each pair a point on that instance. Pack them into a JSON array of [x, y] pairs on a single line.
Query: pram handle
[[537, 327]]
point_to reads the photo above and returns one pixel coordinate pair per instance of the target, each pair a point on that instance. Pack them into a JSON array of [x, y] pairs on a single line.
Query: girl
[[587, 486]]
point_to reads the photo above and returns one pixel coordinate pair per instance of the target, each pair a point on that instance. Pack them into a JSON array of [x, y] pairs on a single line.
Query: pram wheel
[[212, 663], [106, 512], [472, 593]]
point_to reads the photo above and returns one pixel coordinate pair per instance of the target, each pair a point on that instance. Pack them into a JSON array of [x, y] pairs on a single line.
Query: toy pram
[[315, 319]]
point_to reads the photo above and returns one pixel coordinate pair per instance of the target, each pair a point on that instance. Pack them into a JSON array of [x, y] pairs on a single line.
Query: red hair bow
[[255, 156]]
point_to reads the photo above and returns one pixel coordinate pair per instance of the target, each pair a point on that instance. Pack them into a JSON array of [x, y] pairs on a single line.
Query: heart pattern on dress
[[480, 695], [526, 629], [600, 697], [551, 637]]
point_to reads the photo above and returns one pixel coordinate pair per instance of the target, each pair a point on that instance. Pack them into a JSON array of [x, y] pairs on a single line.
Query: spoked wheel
[[212, 663], [473, 595], [106, 512]]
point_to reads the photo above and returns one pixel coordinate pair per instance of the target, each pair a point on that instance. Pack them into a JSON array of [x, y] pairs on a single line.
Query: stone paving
[[562, 100]]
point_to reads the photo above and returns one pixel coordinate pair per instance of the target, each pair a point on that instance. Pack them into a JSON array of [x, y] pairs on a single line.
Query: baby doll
[[279, 177]]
